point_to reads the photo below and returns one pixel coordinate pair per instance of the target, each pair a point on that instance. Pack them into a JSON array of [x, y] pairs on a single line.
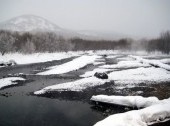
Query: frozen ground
[[70, 77]]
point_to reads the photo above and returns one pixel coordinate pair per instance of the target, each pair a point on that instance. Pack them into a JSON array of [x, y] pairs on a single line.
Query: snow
[[130, 101], [150, 115], [75, 64], [125, 64], [140, 75], [9, 81], [112, 56], [78, 85], [152, 62], [29, 23], [165, 60], [35, 57]]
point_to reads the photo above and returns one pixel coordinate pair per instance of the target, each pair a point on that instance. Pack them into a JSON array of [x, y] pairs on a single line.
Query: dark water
[[19, 107], [33, 111]]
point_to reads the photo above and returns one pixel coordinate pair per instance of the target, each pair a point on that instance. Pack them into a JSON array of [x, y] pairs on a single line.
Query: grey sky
[[135, 17]]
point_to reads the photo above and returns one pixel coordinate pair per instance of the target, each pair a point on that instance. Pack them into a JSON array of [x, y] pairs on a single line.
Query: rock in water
[[101, 75]]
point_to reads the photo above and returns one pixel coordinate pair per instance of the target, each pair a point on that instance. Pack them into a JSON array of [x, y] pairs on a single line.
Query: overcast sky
[[135, 17]]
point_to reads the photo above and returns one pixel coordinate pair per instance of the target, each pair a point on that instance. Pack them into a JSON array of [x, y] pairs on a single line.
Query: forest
[[28, 42]]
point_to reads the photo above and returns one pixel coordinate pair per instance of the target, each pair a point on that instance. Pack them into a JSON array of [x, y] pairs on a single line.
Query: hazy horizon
[[141, 18]]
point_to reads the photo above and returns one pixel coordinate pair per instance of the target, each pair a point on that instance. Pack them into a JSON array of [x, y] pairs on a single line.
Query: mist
[[137, 18]]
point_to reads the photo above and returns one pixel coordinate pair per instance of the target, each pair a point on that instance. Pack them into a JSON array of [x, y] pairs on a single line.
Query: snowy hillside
[[29, 23]]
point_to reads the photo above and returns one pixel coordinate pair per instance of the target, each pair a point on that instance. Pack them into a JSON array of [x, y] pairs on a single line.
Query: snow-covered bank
[[35, 57], [9, 81], [125, 64], [165, 60], [158, 112], [78, 85], [130, 101], [75, 64], [131, 76], [155, 63], [140, 75]]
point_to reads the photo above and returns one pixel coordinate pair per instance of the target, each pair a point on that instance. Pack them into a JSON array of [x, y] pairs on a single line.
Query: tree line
[[28, 42], [32, 42], [159, 44]]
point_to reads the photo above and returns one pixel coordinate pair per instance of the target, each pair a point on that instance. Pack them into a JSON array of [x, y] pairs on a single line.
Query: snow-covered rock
[[100, 75], [9, 81], [8, 63], [91, 73]]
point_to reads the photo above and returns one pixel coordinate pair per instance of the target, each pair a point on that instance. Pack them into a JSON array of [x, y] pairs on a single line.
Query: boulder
[[101, 75], [11, 63], [2, 64]]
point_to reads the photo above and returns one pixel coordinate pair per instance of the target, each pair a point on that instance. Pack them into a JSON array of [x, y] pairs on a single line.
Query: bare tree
[[6, 42]]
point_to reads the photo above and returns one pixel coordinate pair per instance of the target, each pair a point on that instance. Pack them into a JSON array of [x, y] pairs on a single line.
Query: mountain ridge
[[32, 23]]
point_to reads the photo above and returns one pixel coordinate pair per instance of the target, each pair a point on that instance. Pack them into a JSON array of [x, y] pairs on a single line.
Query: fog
[[141, 18]]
